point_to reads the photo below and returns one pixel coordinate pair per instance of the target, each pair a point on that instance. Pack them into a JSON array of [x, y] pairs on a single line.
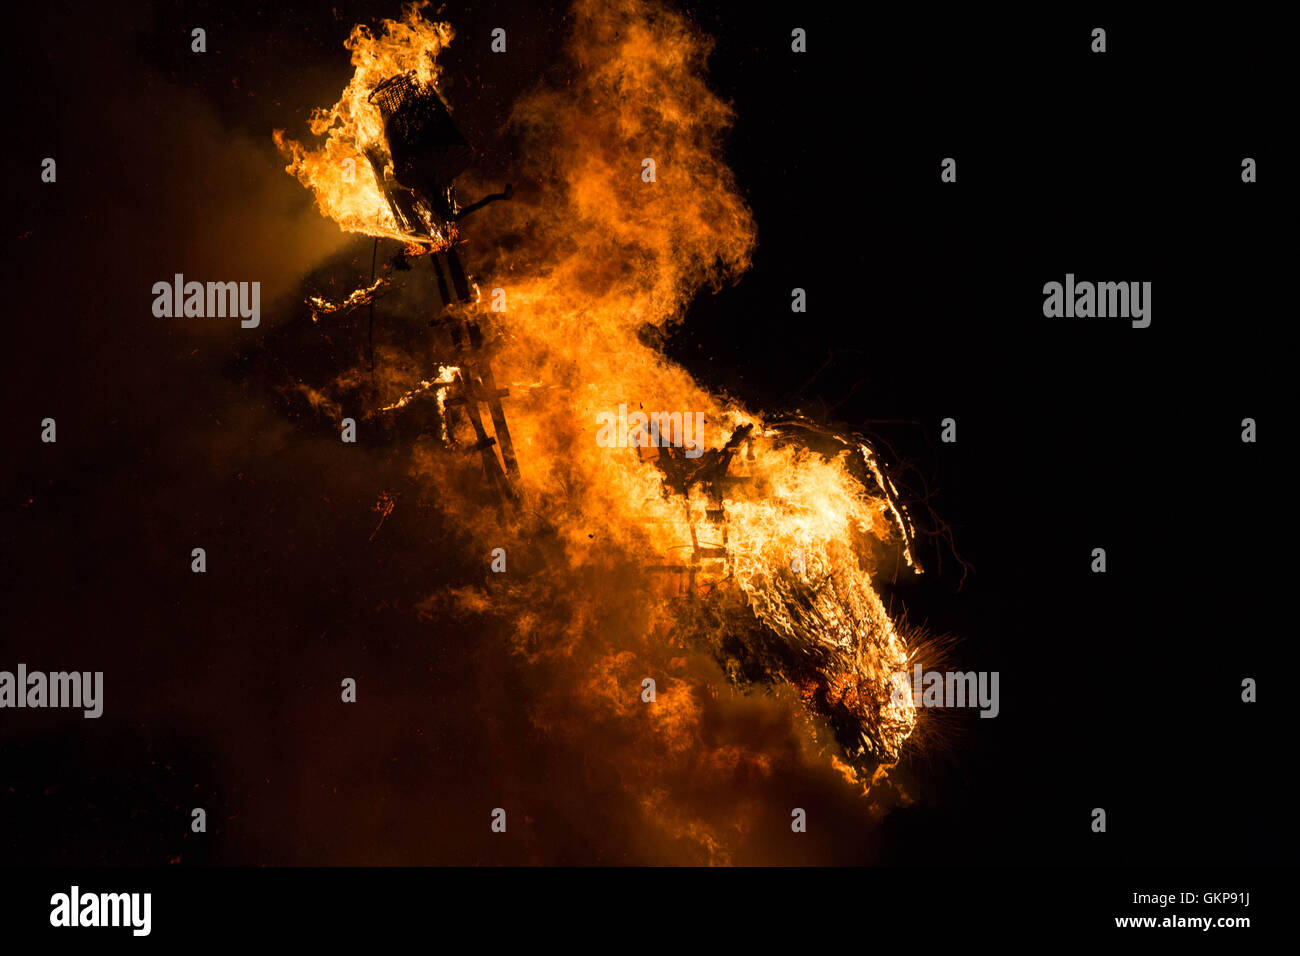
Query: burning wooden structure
[[819, 627], [425, 153], [415, 163], [781, 532]]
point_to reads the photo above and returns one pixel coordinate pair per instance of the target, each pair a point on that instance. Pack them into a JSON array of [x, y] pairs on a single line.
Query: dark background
[[1119, 691]]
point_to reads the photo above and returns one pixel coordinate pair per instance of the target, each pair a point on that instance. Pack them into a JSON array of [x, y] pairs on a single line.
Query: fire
[[339, 171], [320, 306], [787, 530]]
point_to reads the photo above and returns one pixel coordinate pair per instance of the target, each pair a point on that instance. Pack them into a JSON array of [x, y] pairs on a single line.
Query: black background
[[1119, 691]]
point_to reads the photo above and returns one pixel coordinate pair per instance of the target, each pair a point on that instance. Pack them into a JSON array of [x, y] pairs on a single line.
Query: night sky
[[1119, 691]]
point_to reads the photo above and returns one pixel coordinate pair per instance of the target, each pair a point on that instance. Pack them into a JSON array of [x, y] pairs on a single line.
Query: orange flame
[[338, 171], [606, 254]]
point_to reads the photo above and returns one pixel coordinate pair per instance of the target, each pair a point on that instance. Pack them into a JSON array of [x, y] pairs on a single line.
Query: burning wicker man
[[427, 153], [819, 625]]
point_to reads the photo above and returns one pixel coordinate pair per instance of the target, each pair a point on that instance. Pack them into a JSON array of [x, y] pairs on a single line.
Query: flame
[[338, 172], [606, 255], [359, 297]]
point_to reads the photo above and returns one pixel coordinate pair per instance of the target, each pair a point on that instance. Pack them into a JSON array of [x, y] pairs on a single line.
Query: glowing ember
[[320, 307]]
